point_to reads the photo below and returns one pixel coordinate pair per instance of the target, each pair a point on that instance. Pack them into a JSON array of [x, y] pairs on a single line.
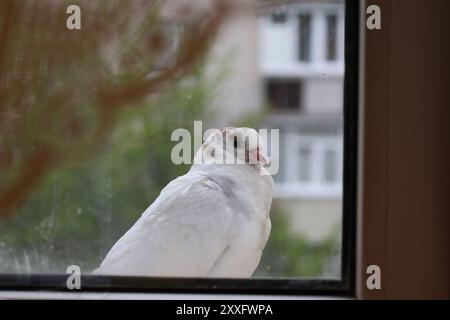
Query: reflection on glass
[[284, 94]]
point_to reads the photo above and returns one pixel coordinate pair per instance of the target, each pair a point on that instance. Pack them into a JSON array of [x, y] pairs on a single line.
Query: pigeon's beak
[[261, 157]]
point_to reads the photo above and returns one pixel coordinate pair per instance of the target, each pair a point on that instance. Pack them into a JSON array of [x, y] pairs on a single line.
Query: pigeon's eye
[[235, 143]]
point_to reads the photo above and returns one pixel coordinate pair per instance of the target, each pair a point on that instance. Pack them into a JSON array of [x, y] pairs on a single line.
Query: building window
[[304, 164], [314, 164], [330, 167], [284, 94], [279, 17], [305, 36], [331, 37]]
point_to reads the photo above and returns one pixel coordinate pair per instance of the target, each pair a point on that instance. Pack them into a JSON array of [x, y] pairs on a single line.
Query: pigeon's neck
[[238, 172], [243, 182]]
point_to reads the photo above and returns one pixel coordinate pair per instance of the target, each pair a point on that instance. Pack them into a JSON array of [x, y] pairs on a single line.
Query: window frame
[[284, 286]]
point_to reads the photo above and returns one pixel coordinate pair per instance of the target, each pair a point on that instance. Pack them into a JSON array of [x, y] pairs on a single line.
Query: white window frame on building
[[280, 49], [315, 185]]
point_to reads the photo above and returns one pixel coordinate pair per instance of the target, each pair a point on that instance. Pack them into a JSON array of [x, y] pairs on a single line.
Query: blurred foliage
[[288, 253]]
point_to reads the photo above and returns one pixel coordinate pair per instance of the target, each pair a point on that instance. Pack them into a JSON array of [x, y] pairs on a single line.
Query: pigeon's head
[[235, 145]]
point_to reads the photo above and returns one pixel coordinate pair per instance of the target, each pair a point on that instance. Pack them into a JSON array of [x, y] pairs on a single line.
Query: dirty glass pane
[[305, 30], [86, 146], [331, 37]]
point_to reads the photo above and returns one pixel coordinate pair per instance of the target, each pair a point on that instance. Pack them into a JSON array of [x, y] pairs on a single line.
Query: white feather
[[212, 222]]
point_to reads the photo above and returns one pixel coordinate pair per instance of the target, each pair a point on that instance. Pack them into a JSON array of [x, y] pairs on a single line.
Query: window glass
[[78, 166], [305, 34], [331, 37]]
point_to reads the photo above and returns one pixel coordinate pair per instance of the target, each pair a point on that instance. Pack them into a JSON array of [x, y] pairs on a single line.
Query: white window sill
[[49, 295]]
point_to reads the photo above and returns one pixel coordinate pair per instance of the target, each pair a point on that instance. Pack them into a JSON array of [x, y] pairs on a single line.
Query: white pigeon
[[212, 222]]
